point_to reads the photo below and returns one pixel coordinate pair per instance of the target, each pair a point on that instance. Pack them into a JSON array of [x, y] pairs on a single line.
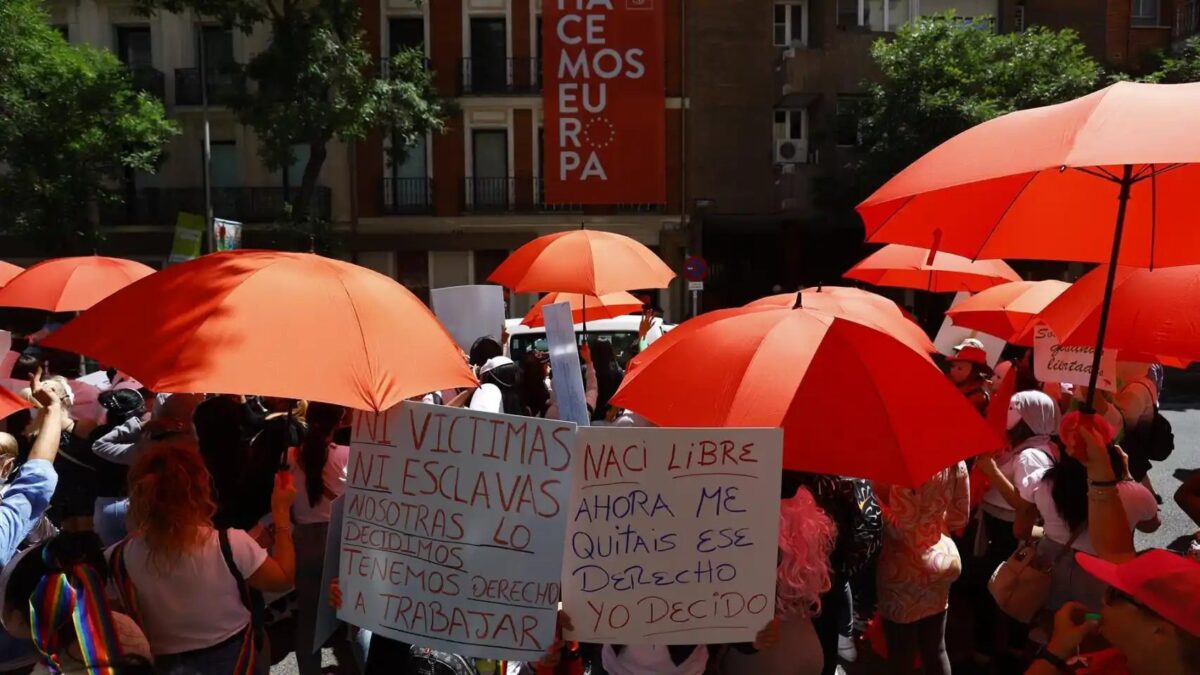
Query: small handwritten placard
[[453, 529], [673, 535], [1056, 362]]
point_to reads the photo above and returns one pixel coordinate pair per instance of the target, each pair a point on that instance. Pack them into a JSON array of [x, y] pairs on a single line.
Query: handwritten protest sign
[[950, 336], [1056, 362], [469, 312], [673, 535], [453, 530]]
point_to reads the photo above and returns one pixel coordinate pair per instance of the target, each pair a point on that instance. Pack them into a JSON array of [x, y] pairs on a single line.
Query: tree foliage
[[941, 76], [71, 125], [1178, 66], [316, 81]]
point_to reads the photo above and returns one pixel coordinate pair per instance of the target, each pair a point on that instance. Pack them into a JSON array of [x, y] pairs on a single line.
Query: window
[[791, 24], [406, 33], [790, 124], [223, 168], [133, 46], [1145, 12], [849, 110], [488, 70], [217, 43], [489, 148], [876, 15], [1019, 18]]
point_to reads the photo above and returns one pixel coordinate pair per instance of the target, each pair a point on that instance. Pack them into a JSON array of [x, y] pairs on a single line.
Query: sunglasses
[[1113, 595]]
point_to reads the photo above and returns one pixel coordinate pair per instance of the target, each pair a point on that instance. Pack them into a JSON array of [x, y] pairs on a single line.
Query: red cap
[[1165, 582], [971, 355]]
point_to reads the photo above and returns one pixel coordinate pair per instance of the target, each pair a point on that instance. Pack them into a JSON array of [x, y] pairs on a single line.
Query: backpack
[[1154, 440], [428, 661]]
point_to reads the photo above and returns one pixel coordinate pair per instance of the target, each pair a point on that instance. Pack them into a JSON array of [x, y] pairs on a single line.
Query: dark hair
[[218, 423], [1069, 486], [62, 552], [608, 376], [25, 367], [532, 385], [507, 378], [323, 419], [121, 405], [484, 348]]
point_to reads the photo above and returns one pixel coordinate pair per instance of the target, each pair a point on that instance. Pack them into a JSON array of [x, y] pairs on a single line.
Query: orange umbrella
[[585, 308], [1006, 310], [911, 267], [852, 400], [582, 261], [1153, 313], [860, 305], [8, 271], [70, 284], [1108, 178], [293, 325], [11, 403]]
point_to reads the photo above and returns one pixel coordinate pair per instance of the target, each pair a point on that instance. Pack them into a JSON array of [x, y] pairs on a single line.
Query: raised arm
[[1108, 525]]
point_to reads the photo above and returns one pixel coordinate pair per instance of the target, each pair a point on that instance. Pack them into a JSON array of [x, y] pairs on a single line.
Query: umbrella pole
[[1110, 281]]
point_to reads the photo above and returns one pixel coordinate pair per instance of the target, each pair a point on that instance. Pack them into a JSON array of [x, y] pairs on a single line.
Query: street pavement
[[1181, 407]]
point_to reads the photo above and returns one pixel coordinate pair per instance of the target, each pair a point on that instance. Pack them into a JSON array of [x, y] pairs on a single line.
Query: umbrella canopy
[[293, 325], [911, 267], [584, 307], [1007, 310], [1105, 178], [71, 284], [798, 369], [1153, 313], [8, 271], [859, 305], [582, 261], [11, 403]]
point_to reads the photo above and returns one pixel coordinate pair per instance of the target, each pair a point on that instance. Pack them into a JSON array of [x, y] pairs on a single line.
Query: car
[[621, 332]]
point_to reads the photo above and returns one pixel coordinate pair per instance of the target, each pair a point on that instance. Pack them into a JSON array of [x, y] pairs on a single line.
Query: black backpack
[[1154, 440]]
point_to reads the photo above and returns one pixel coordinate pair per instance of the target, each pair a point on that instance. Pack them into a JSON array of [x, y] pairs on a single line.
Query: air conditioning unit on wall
[[791, 151]]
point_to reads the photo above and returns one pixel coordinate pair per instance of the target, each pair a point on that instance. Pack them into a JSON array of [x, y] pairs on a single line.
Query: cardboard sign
[[673, 535], [327, 621], [189, 237], [950, 336], [453, 529], [565, 374], [227, 234], [469, 312], [604, 98], [1056, 362]]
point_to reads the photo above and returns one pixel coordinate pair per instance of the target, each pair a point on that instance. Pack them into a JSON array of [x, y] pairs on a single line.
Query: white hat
[[494, 363]]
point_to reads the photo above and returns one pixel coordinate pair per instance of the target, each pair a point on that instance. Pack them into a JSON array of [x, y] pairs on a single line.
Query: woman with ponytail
[[318, 469], [186, 582]]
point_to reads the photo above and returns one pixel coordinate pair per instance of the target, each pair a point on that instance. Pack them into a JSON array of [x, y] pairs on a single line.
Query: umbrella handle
[[1122, 204]]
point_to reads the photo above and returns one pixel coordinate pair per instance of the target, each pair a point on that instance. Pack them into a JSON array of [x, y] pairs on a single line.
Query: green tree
[[71, 125], [316, 81], [940, 76], [1178, 66]]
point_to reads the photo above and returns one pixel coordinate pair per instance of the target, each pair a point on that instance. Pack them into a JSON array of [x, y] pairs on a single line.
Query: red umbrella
[[860, 305], [585, 308], [11, 403], [1108, 178], [1152, 313], [8, 271], [582, 261], [1007, 310], [293, 325], [920, 268], [70, 284], [852, 400]]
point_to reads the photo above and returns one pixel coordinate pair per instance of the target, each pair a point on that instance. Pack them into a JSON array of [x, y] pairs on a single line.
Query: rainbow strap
[[77, 596]]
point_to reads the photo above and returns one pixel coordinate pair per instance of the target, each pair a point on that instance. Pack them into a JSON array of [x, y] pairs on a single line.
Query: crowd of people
[[143, 532]]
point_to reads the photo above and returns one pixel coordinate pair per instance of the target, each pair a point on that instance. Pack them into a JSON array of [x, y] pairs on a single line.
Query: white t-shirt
[[334, 475], [1139, 504], [195, 603], [1024, 468]]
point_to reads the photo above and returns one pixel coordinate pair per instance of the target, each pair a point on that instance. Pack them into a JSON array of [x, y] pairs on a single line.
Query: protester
[[225, 450], [499, 388], [970, 372], [608, 377], [75, 499], [484, 349], [32, 485], [318, 470], [806, 537], [918, 564], [534, 392], [108, 517], [185, 581]]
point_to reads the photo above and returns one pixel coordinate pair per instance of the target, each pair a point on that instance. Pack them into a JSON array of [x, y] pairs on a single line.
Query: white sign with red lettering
[[673, 535]]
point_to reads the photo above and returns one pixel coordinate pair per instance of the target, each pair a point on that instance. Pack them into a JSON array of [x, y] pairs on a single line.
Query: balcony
[[161, 206], [223, 86], [500, 76], [407, 196], [510, 195], [1187, 20], [149, 80], [539, 191]]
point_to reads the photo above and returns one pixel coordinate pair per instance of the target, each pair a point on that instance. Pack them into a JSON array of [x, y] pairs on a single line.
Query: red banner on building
[[604, 98]]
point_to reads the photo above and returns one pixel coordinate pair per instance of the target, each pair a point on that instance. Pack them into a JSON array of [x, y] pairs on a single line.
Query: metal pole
[[1110, 281], [208, 207]]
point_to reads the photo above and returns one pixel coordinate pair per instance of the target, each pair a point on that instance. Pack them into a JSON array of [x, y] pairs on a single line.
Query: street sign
[[695, 269], [695, 285]]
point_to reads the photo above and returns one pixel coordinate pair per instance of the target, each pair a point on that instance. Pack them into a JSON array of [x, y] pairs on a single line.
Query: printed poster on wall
[[1056, 362], [604, 99], [673, 535], [189, 237], [453, 529]]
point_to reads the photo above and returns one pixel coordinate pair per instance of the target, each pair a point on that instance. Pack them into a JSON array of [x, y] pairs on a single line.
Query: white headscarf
[[1039, 412]]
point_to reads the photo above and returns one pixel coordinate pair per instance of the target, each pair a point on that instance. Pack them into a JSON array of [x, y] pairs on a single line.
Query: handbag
[[1021, 584]]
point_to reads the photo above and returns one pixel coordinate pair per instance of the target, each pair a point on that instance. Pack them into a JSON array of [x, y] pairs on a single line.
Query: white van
[[621, 333]]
